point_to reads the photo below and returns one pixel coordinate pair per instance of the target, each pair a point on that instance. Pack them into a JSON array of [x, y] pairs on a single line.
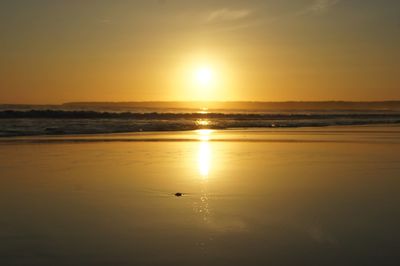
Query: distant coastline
[[214, 106]]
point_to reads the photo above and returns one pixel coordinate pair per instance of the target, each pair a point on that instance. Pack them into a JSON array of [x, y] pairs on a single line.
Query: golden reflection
[[204, 159], [204, 166], [204, 134], [202, 122], [203, 111]]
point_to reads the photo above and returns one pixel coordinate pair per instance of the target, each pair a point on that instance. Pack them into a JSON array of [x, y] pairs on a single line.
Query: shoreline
[[292, 135], [73, 131]]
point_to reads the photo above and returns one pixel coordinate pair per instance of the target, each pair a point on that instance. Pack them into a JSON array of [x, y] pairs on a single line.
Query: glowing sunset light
[[204, 76], [203, 122], [173, 132], [204, 159]]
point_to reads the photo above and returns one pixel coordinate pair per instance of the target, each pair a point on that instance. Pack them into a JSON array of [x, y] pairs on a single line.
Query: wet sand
[[312, 196]]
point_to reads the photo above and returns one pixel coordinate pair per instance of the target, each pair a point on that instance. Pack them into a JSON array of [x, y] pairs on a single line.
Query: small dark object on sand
[[178, 194]]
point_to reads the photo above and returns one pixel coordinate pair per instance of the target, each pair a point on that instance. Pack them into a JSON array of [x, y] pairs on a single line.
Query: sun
[[200, 78], [203, 76]]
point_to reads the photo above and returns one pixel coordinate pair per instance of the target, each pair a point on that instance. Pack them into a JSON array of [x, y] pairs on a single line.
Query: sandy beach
[[312, 196]]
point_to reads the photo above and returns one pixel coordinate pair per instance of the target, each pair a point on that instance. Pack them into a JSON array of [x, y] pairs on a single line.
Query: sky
[[55, 51]]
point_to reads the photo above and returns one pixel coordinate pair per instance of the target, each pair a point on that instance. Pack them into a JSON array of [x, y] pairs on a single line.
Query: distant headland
[[251, 106]]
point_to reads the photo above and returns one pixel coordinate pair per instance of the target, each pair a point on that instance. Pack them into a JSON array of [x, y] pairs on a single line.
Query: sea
[[103, 118]]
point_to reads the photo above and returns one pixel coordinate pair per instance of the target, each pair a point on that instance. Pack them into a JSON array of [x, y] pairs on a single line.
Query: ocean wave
[[54, 122]]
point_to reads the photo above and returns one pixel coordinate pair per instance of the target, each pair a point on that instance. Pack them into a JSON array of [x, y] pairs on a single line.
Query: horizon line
[[213, 101]]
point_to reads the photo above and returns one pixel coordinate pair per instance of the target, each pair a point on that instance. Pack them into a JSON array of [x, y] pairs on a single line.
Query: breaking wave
[[56, 122]]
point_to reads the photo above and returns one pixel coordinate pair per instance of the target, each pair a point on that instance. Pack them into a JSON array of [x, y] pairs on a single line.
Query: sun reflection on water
[[204, 134], [204, 159], [202, 122]]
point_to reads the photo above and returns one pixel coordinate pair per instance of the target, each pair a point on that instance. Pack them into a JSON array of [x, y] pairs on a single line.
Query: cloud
[[322, 5], [316, 7], [226, 14]]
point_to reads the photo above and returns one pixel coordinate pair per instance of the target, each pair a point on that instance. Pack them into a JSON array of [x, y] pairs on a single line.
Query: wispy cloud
[[226, 14], [246, 18], [322, 5]]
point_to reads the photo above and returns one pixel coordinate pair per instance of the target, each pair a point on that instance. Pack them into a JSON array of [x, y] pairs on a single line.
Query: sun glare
[[203, 76]]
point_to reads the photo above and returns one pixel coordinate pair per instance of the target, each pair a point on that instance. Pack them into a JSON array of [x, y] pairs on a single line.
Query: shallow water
[[325, 196]]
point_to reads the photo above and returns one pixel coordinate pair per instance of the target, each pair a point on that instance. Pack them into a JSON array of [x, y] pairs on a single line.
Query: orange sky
[[61, 51]]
